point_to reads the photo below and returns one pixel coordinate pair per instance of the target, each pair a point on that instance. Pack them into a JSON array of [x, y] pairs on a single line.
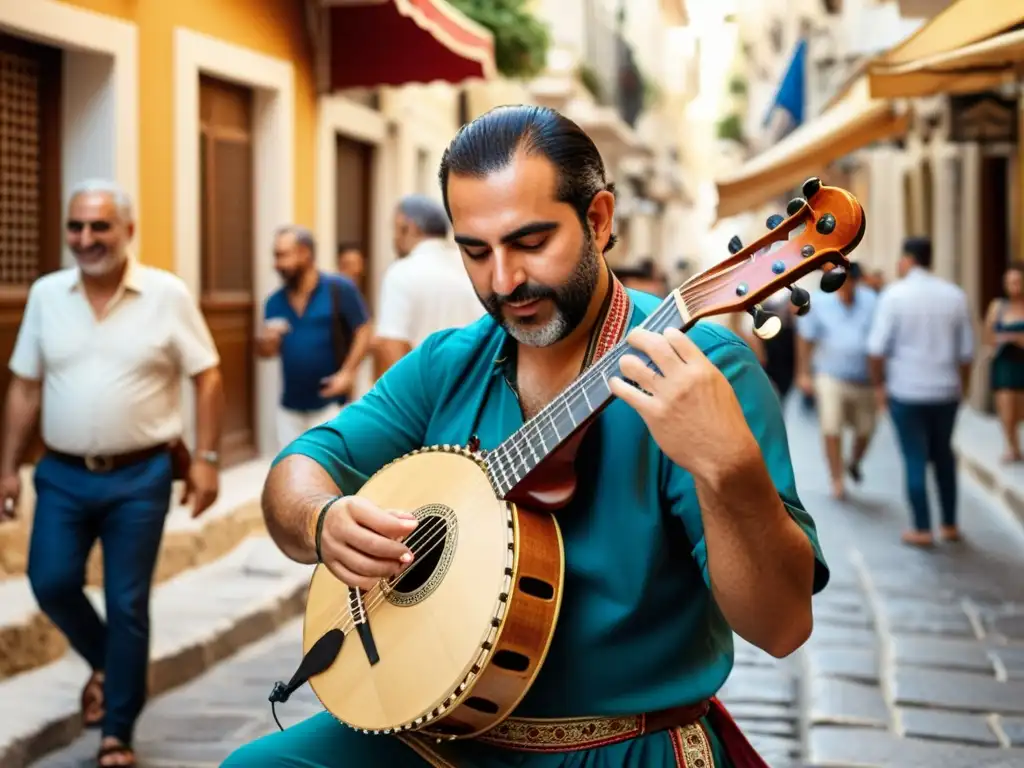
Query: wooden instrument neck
[[526, 448]]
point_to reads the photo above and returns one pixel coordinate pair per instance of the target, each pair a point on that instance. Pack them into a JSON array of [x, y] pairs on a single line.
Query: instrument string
[[665, 316], [425, 540], [373, 597], [415, 542]]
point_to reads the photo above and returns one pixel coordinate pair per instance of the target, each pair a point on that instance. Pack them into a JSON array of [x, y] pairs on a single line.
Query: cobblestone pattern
[[916, 660]]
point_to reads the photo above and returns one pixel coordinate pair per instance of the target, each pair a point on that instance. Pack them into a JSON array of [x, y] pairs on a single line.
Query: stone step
[[979, 444], [27, 638], [197, 619]]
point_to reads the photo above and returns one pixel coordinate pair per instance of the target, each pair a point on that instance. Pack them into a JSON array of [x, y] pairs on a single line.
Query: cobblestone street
[[917, 658]]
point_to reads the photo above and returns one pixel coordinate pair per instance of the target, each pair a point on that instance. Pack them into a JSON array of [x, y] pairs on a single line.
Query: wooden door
[[994, 228], [30, 182], [353, 180], [227, 291]]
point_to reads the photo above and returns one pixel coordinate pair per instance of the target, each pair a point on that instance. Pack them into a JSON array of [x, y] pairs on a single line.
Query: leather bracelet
[[319, 531]]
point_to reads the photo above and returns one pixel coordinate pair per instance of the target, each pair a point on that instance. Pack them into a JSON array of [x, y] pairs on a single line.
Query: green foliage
[[731, 127], [652, 92], [737, 85], [589, 79], [521, 40]]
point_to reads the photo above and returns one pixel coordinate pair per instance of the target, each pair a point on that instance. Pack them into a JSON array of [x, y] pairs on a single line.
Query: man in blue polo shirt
[[317, 324], [832, 338]]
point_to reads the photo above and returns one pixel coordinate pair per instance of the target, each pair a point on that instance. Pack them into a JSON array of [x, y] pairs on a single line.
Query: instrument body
[[463, 637], [461, 640]]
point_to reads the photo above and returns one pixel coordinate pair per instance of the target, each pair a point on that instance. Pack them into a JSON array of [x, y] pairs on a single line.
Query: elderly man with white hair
[[100, 355]]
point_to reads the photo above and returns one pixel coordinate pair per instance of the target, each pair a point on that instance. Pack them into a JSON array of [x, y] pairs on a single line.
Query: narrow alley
[[917, 658]]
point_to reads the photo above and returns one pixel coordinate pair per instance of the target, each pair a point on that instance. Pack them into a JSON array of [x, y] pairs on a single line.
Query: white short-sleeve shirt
[[111, 384], [427, 291]]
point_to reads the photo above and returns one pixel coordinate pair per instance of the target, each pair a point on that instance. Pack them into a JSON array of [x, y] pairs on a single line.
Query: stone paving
[[917, 658]]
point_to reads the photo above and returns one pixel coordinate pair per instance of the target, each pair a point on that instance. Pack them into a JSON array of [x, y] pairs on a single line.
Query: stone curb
[[198, 619], [990, 481], [30, 640]]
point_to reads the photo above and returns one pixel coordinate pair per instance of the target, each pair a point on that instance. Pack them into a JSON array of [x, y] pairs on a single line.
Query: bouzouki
[[450, 646]]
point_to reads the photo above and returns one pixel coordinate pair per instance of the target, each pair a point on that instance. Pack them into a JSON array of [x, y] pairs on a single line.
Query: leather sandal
[[116, 749], [93, 710]]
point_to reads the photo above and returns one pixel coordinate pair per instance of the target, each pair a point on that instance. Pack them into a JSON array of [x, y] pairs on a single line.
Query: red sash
[[740, 751]]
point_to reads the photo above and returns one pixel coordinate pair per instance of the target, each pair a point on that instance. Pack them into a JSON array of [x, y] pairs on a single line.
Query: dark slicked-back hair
[[490, 142], [920, 249]]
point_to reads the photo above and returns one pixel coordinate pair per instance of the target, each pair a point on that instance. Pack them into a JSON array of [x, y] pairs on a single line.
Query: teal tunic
[[639, 629]]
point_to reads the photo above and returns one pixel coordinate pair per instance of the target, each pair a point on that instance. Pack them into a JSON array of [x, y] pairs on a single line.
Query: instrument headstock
[[819, 232]]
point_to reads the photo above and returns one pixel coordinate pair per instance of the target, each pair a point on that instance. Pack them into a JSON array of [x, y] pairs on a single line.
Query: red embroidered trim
[[615, 321], [677, 747]]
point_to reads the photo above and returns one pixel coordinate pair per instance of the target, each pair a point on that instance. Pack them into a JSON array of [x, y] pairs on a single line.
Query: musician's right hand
[[362, 543]]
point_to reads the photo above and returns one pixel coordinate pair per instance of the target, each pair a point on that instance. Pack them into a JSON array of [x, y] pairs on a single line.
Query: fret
[[554, 426], [499, 467], [522, 458], [543, 443], [528, 446], [567, 403]]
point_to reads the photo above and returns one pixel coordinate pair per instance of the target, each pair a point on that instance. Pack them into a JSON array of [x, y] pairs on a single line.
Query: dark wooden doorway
[[354, 202], [993, 227], [226, 287], [31, 237]]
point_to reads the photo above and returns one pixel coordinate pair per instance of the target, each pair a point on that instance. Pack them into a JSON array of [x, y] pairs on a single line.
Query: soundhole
[[433, 544], [536, 588], [486, 706], [512, 661]]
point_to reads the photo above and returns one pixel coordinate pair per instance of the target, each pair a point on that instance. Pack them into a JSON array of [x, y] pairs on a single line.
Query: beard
[[97, 261], [571, 301], [290, 277]]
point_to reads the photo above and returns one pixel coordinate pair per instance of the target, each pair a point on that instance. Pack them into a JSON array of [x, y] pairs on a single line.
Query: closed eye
[[530, 244], [476, 254]]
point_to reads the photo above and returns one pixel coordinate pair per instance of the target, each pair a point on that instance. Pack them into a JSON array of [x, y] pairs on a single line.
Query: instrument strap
[[617, 311]]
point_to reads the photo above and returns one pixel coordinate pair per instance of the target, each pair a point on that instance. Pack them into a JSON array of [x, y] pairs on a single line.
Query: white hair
[[122, 200]]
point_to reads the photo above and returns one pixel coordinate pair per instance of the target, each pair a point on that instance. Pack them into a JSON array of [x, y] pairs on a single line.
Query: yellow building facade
[[209, 114]]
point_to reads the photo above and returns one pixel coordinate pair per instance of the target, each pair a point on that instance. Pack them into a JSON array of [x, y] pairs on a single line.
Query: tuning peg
[[794, 205], [766, 325], [810, 187], [833, 280], [735, 244], [774, 220], [799, 296], [801, 299]]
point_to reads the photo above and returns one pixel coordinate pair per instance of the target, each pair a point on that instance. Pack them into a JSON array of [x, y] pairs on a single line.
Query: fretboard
[[529, 445]]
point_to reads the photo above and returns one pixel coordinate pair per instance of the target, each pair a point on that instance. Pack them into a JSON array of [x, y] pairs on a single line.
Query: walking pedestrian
[[921, 347], [100, 353], [317, 323], [1004, 333], [426, 289], [832, 363]]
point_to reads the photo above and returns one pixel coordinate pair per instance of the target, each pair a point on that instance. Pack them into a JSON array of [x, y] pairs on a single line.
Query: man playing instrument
[[686, 524]]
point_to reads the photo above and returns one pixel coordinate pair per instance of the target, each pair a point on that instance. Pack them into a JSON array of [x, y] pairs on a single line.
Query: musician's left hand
[[691, 409]]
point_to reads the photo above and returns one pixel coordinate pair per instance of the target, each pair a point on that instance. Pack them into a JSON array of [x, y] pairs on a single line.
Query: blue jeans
[[925, 434], [125, 509]]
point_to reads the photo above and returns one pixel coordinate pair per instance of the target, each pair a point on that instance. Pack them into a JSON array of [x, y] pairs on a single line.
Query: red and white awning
[[369, 43]]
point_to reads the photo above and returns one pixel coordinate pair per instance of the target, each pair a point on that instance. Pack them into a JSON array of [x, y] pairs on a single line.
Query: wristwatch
[[210, 457]]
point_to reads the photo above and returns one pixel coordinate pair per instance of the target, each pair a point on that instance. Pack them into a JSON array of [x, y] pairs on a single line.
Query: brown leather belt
[[573, 734], [109, 462]]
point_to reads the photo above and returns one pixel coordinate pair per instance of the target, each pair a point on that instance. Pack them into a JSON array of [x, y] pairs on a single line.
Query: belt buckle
[[99, 463]]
